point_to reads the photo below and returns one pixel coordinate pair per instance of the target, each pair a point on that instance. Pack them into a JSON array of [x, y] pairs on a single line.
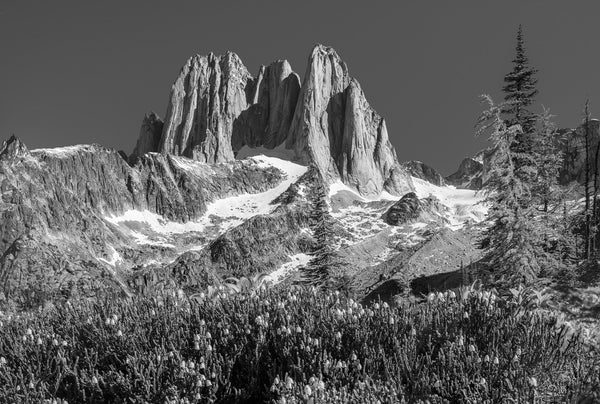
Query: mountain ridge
[[216, 107]]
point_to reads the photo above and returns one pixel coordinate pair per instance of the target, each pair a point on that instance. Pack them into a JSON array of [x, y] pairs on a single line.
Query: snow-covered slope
[[150, 228], [464, 204]]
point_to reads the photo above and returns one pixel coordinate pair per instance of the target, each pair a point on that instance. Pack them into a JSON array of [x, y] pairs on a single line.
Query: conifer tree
[[519, 93], [325, 265], [511, 239]]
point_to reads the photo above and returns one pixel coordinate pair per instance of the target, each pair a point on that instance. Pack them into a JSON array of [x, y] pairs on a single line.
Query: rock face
[[149, 138], [207, 97], [267, 120], [421, 170], [469, 174], [216, 107]]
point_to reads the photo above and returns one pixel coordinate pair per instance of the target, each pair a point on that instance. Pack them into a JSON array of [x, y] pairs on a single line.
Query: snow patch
[[192, 166], [464, 204], [279, 152], [114, 259], [65, 151], [297, 261], [156, 222], [339, 186], [150, 228]]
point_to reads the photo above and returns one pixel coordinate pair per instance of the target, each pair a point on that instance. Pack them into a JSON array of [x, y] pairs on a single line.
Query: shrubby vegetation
[[294, 346]]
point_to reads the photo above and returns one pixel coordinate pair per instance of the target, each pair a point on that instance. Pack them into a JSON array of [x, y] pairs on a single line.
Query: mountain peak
[[217, 107], [13, 148]]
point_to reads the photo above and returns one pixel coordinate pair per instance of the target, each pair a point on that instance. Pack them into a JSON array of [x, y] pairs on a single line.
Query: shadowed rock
[[149, 138], [421, 170], [410, 208]]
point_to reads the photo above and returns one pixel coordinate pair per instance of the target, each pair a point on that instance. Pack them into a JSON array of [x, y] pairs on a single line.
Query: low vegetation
[[296, 346]]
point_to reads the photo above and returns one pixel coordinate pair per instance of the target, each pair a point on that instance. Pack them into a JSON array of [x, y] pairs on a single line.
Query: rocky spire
[[335, 128], [13, 148], [149, 138], [267, 120], [207, 97], [216, 108]]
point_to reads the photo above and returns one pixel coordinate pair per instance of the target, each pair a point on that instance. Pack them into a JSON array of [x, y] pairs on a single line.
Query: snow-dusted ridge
[[150, 228], [64, 151]]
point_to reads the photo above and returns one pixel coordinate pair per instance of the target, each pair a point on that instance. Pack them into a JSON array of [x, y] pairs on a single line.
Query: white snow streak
[[297, 261]]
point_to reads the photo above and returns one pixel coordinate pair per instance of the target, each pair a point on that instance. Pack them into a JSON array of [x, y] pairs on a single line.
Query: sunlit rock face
[[336, 129], [216, 108]]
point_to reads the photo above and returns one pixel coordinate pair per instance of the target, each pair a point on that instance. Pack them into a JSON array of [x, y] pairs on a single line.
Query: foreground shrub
[[296, 345]]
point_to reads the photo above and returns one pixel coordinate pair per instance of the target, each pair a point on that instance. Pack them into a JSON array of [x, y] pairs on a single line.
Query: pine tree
[[511, 239], [520, 90], [326, 264]]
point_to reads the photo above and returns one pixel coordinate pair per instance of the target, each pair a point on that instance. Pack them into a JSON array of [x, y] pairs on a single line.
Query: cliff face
[[149, 137], [207, 97], [216, 108]]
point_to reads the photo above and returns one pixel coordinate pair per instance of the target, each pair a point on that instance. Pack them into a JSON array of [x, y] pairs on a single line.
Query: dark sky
[[87, 71]]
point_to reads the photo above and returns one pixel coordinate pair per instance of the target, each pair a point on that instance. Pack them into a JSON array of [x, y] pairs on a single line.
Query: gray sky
[[87, 71]]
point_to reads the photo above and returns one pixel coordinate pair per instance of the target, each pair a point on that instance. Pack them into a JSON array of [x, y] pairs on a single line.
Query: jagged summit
[[149, 138], [13, 148], [217, 108]]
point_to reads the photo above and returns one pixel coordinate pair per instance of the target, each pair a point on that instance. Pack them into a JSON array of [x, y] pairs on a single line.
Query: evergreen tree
[[326, 265], [511, 239], [520, 90]]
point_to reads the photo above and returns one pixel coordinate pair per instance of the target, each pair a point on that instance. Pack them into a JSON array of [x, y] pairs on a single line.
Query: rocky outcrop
[[468, 176], [13, 148], [411, 209], [149, 138], [216, 108], [421, 170]]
